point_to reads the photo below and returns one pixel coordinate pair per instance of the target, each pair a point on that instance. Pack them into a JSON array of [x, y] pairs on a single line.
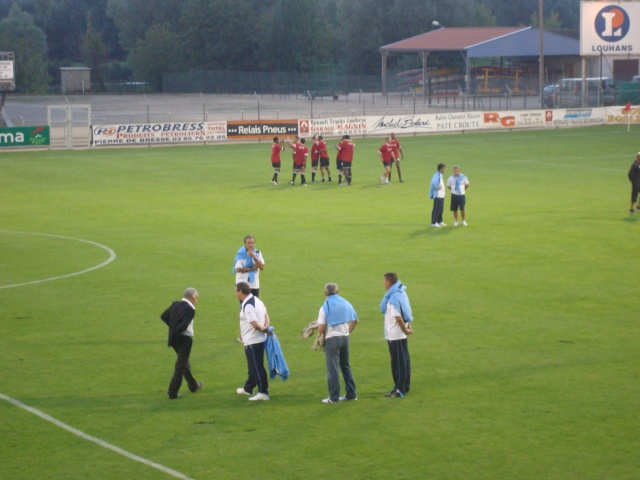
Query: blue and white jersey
[[252, 310]]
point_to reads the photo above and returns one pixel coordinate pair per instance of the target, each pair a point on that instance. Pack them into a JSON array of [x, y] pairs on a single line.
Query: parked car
[[600, 91], [550, 95]]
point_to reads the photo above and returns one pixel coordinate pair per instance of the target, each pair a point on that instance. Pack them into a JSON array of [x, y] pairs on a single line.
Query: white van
[[600, 91]]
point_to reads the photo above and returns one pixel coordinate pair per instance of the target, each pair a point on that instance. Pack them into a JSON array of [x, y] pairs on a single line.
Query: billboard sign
[[159, 133], [609, 28], [25, 137], [261, 129], [6, 70]]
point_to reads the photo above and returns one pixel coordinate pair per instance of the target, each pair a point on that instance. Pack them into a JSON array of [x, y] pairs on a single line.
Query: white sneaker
[[344, 398], [259, 397], [242, 391], [442, 224], [327, 400], [464, 223], [435, 225], [455, 224], [382, 179]]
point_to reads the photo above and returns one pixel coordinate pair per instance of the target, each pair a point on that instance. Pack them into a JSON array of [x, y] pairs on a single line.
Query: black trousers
[[257, 376], [182, 367], [438, 208], [400, 364]]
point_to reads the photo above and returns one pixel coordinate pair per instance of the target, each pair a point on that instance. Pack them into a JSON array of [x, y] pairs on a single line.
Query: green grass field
[[526, 360]]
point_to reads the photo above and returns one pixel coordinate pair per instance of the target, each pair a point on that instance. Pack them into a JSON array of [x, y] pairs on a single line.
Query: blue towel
[[435, 182], [243, 255], [397, 296], [275, 358], [338, 310]]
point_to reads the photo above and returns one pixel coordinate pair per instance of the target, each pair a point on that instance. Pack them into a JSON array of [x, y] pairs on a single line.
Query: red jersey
[[315, 152], [276, 148], [346, 150], [300, 154], [322, 149], [386, 151], [395, 147]]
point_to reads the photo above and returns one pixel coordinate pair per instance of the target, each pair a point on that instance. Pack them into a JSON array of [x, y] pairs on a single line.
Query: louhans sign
[[24, 137], [609, 28]]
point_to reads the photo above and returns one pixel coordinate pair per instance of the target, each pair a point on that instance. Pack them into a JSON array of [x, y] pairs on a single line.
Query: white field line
[[112, 257], [95, 440]]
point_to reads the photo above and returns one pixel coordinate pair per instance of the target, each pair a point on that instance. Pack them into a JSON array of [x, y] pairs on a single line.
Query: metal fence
[[158, 108]]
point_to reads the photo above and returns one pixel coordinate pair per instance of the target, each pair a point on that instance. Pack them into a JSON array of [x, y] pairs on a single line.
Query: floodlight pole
[[541, 66]]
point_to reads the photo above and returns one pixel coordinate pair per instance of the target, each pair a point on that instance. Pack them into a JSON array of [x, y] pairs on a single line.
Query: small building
[[75, 79]]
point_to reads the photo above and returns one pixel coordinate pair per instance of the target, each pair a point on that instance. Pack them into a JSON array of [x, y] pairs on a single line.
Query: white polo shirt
[[340, 330], [463, 182], [244, 277], [392, 330], [252, 310]]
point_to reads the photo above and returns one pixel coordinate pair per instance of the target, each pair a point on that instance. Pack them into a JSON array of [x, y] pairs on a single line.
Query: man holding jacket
[[397, 327], [179, 318]]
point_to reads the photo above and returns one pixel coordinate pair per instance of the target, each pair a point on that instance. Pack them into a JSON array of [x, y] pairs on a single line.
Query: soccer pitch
[[525, 358]]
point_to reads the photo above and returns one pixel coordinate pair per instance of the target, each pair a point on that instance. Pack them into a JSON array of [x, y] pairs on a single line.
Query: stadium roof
[[482, 42], [479, 42]]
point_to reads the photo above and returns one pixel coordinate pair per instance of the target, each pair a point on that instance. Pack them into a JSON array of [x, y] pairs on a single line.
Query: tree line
[[125, 40]]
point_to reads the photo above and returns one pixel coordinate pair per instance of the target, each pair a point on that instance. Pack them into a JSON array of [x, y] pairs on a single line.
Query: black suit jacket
[[178, 317]]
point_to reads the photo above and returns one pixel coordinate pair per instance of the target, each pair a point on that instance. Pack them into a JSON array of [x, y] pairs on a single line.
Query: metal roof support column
[[467, 72], [384, 73], [423, 57]]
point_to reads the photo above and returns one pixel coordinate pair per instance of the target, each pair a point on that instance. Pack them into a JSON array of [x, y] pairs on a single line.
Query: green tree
[[221, 34], [94, 54], [20, 35], [552, 22], [159, 52], [133, 18]]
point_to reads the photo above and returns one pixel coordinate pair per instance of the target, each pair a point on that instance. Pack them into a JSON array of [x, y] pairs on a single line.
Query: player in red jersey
[[346, 147], [315, 158], [386, 155], [300, 154], [397, 151], [276, 148], [324, 158]]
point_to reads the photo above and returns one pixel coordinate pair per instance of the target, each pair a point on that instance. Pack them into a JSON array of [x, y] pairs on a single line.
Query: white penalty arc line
[[112, 257], [95, 440]]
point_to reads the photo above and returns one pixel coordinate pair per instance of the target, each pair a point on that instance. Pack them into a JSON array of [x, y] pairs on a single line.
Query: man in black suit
[[179, 318]]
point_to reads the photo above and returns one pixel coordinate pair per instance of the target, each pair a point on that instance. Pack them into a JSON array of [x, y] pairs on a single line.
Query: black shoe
[[175, 397], [631, 210], [388, 394], [396, 393], [199, 387]]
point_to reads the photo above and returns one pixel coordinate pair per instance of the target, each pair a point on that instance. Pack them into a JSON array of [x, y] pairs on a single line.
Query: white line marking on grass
[[112, 257], [95, 440], [584, 167]]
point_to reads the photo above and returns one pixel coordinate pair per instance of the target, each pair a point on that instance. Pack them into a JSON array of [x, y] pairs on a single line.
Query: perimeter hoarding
[[609, 28], [29, 137], [261, 129], [333, 127], [159, 133]]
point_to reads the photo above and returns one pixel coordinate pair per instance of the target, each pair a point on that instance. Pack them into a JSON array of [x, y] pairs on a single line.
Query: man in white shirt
[[458, 184], [336, 320], [254, 322], [248, 264], [436, 193], [397, 327]]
